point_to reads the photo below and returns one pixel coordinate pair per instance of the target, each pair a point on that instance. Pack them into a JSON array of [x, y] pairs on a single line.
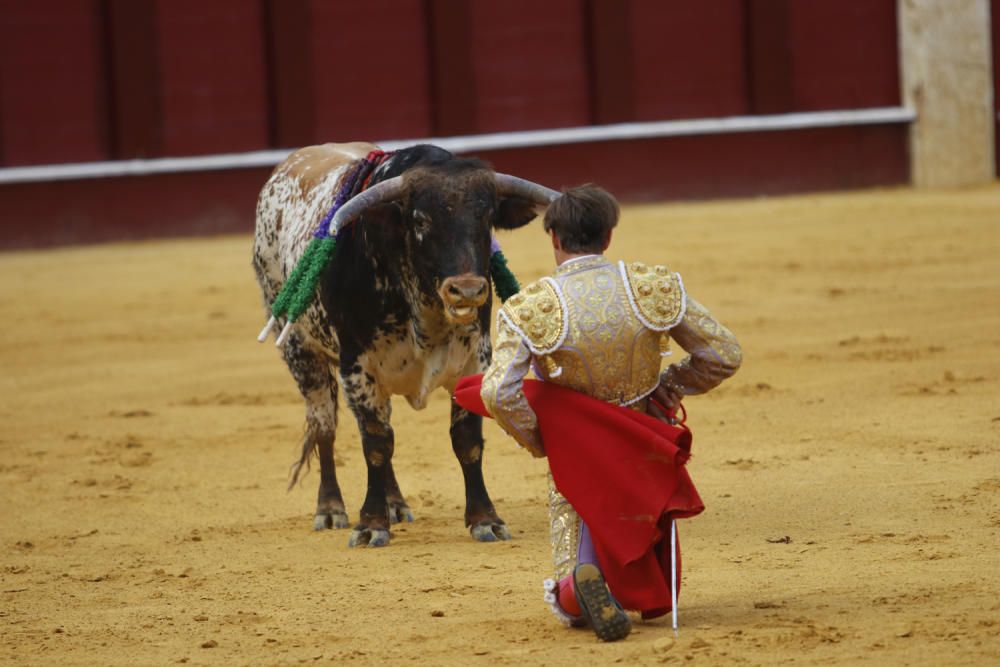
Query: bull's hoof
[[368, 537], [491, 530], [400, 512], [330, 519]]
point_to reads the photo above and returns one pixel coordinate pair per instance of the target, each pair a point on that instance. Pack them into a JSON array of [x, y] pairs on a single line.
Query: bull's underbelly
[[402, 370]]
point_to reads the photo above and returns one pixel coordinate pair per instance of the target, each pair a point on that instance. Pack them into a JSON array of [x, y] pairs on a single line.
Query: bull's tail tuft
[[309, 444]]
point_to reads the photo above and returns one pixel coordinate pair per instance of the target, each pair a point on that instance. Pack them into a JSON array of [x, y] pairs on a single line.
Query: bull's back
[[310, 165], [291, 204]]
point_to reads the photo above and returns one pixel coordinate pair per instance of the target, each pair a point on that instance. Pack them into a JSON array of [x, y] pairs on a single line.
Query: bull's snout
[[462, 296], [466, 290]]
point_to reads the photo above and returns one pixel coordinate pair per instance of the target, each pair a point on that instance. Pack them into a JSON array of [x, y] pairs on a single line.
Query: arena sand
[[851, 469]]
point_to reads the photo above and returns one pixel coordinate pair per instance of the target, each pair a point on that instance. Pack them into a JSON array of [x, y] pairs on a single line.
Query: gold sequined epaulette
[[655, 293], [538, 314]]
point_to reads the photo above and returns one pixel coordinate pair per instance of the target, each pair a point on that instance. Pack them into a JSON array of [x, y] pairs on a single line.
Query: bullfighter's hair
[[582, 218]]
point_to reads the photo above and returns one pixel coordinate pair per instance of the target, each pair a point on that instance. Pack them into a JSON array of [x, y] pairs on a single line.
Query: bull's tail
[[310, 443]]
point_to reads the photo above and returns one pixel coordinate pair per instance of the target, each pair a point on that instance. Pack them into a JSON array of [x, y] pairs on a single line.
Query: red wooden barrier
[[212, 69], [721, 165], [844, 54], [91, 211], [497, 70], [188, 77], [145, 78], [693, 167], [135, 83], [822, 54], [452, 76], [349, 70], [52, 82], [769, 67], [529, 73], [689, 59], [665, 59]]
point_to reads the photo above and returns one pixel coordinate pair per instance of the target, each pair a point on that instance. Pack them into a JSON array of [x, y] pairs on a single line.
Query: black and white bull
[[403, 309]]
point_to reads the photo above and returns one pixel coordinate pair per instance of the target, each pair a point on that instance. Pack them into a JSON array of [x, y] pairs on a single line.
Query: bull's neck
[[431, 326]]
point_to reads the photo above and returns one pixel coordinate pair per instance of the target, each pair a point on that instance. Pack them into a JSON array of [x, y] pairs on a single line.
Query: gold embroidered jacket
[[601, 328]]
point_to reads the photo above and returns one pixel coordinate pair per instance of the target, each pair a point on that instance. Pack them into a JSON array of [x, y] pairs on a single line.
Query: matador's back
[[600, 327]]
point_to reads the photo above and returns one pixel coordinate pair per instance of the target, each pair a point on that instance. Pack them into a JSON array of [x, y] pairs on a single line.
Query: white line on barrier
[[475, 142]]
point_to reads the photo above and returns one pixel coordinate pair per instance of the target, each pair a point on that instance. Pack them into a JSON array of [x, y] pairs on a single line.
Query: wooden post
[[947, 78]]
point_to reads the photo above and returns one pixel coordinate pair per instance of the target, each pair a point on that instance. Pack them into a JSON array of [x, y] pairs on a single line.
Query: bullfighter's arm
[[503, 390], [714, 353]]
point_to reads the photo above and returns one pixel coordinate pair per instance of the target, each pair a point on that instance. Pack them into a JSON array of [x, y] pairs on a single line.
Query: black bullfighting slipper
[[602, 611]]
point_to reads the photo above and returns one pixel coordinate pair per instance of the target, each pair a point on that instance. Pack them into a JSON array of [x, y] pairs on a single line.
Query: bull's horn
[[387, 190], [519, 187]]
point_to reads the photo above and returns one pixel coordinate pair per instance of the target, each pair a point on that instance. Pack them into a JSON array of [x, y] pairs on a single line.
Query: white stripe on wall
[[476, 143]]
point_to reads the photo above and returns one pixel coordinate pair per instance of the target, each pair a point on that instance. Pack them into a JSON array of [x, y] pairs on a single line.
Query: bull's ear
[[514, 212]]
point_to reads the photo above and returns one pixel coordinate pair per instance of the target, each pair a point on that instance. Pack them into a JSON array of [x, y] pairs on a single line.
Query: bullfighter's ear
[[514, 212]]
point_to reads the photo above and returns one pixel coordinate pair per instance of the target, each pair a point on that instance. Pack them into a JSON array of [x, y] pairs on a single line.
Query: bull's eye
[[421, 223]]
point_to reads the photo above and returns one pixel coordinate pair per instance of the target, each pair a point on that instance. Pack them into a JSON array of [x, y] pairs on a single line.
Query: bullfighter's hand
[[667, 397], [537, 451]]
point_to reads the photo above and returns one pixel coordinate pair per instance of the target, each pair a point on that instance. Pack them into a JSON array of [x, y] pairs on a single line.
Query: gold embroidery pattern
[[502, 391], [564, 532], [537, 313], [607, 353], [714, 353], [657, 295]]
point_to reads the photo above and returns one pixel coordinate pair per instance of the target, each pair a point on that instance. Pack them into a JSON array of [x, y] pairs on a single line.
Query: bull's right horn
[[387, 190], [519, 187]]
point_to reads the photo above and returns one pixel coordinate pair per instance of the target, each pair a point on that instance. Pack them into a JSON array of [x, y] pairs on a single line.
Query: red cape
[[623, 472]]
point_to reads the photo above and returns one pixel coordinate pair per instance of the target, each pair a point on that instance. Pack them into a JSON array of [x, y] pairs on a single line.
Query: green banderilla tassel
[[305, 291], [280, 305], [504, 282], [299, 290]]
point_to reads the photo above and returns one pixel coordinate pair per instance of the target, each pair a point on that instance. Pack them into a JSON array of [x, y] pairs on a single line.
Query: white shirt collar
[[577, 259]]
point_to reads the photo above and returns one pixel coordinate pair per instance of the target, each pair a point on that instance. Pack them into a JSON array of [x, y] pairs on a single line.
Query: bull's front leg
[[399, 509], [467, 442], [373, 412]]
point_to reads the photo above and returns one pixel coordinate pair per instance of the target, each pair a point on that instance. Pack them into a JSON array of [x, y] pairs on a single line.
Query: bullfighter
[[595, 333]]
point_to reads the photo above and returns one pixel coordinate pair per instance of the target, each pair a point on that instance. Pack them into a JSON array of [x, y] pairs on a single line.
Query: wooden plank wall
[[995, 20], [53, 83], [189, 77], [148, 78], [120, 79], [348, 70]]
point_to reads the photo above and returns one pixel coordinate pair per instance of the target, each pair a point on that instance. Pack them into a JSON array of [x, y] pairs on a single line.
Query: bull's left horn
[[387, 190], [519, 187]]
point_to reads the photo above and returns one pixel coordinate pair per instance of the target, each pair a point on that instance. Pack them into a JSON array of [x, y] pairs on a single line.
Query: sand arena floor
[[851, 469]]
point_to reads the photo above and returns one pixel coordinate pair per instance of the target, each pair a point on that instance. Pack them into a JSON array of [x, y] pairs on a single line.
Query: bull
[[403, 310]]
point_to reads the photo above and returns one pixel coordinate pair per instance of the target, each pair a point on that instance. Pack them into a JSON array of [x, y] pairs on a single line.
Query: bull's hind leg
[[467, 442], [318, 384]]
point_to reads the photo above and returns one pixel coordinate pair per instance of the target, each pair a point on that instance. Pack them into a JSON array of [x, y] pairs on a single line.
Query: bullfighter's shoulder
[[538, 314], [656, 294]]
